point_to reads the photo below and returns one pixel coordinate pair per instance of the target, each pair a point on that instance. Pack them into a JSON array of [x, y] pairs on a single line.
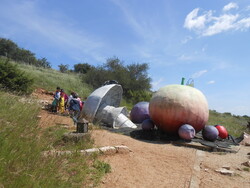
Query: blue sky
[[208, 41]]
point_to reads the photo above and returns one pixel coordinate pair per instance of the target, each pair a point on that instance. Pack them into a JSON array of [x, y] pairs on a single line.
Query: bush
[[13, 79], [138, 96]]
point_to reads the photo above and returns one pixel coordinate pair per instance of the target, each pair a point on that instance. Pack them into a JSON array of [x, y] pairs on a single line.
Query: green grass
[[22, 143], [235, 125], [49, 79], [246, 169], [55, 134]]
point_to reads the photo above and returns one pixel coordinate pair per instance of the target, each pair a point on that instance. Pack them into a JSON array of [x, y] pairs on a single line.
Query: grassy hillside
[[49, 79], [22, 143], [235, 125]]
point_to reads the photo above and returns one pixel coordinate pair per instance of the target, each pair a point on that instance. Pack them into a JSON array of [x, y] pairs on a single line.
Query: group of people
[[63, 103]]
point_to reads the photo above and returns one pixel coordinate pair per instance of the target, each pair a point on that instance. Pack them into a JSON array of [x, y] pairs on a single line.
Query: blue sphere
[[147, 125], [140, 112], [186, 132], [210, 133]]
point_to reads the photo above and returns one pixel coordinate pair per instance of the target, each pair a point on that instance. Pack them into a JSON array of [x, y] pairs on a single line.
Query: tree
[[133, 78], [43, 63], [25, 56], [11, 50], [82, 68], [138, 74], [7, 48], [63, 68]]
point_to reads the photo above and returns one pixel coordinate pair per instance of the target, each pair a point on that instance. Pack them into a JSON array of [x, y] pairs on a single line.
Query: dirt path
[[165, 165], [155, 164]]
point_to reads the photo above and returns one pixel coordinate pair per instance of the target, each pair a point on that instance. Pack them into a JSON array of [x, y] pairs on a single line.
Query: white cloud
[[222, 23], [243, 24], [186, 39], [230, 6], [207, 24], [211, 82], [198, 74], [193, 22]]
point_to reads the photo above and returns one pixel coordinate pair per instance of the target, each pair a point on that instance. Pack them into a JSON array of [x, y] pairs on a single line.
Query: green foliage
[[82, 68], [13, 79], [133, 78], [43, 62], [63, 68], [246, 169], [7, 48], [235, 125], [22, 143], [49, 79], [11, 50], [135, 96], [102, 166], [55, 134]]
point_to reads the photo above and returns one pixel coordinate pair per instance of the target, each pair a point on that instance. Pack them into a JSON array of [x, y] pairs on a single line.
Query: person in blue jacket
[[55, 102]]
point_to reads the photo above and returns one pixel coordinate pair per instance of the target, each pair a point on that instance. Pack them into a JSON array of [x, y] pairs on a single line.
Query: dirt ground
[[158, 164]]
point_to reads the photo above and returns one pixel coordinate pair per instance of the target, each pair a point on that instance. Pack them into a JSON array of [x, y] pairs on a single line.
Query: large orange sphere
[[175, 105]]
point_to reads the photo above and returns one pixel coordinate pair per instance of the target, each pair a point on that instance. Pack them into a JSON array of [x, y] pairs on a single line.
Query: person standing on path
[[55, 103]]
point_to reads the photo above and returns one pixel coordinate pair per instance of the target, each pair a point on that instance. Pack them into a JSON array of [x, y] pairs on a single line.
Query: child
[[61, 103], [65, 96], [55, 102], [74, 107]]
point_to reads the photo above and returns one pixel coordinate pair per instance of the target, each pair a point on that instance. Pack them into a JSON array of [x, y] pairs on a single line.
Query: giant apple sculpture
[[175, 105]]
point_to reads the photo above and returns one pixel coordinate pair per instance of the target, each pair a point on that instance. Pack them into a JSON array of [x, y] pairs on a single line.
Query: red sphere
[[222, 131]]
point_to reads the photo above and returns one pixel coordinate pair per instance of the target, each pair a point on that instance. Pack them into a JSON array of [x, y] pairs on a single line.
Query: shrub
[[13, 79]]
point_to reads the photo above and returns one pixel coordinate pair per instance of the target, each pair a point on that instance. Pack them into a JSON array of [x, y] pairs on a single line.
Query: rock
[[226, 167], [246, 139], [247, 164], [64, 152], [83, 152], [49, 153], [225, 171], [39, 117], [74, 137], [122, 149], [107, 150], [43, 101], [92, 150]]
